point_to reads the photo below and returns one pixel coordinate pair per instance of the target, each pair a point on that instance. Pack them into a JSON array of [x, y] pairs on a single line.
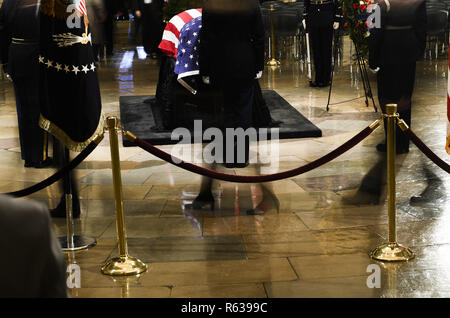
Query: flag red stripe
[[172, 28]]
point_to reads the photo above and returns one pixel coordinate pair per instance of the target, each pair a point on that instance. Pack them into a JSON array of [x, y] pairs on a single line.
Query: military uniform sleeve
[[338, 16], [307, 4]]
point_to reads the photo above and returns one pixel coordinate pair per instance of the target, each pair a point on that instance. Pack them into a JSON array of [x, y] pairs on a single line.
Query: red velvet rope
[[427, 151], [59, 174], [253, 179]]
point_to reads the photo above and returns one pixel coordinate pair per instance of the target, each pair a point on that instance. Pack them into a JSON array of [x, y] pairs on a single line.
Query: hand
[[138, 13], [336, 25], [375, 71], [258, 75], [304, 24], [8, 77], [206, 80]]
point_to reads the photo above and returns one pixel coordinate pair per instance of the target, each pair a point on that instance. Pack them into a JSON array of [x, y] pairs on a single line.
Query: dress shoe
[[314, 84], [39, 165], [60, 210], [324, 84]]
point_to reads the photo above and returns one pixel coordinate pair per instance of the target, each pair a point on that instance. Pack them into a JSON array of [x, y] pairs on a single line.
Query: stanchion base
[[79, 243], [273, 62], [124, 266], [392, 252]]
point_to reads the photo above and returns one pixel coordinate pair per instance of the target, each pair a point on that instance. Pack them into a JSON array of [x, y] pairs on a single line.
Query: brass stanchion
[[272, 62], [391, 251], [124, 265]]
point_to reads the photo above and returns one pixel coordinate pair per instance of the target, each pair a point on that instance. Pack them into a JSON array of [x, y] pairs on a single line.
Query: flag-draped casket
[[70, 95], [179, 65]]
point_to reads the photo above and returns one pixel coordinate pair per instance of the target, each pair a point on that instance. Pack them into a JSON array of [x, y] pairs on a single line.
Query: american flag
[[81, 6], [187, 57], [171, 34]]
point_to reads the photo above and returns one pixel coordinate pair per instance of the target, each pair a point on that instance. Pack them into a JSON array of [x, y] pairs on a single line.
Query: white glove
[[206, 80], [375, 70], [336, 25], [259, 75], [8, 77], [304, 24]]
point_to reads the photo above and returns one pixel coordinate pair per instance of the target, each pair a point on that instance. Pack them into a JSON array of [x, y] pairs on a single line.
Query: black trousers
[[30, 134], [321, 44], [109, 34], [396, 86], [237, 99]]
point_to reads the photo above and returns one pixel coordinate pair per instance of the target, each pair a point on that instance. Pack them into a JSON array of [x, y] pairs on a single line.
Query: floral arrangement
[[356, 13]]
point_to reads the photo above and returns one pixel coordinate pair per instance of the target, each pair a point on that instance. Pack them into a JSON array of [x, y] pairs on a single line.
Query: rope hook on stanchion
[[391, 251], [124, 265]]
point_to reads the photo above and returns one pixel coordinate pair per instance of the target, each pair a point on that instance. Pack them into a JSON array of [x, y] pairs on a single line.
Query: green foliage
[[176, 6], [355, 14]]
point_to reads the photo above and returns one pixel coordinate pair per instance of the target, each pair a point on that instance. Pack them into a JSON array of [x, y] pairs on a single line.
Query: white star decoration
[[59, 67]]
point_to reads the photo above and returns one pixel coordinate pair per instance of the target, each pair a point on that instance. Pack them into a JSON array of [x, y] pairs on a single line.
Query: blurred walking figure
[[97, 17], [114, 9], [151, 20], [19, 48], [394, 50]]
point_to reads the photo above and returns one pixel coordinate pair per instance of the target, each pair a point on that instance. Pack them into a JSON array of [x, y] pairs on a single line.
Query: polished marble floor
[[317, 229]]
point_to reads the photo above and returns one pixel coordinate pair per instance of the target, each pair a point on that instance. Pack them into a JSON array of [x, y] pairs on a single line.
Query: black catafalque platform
[[143, 119]]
